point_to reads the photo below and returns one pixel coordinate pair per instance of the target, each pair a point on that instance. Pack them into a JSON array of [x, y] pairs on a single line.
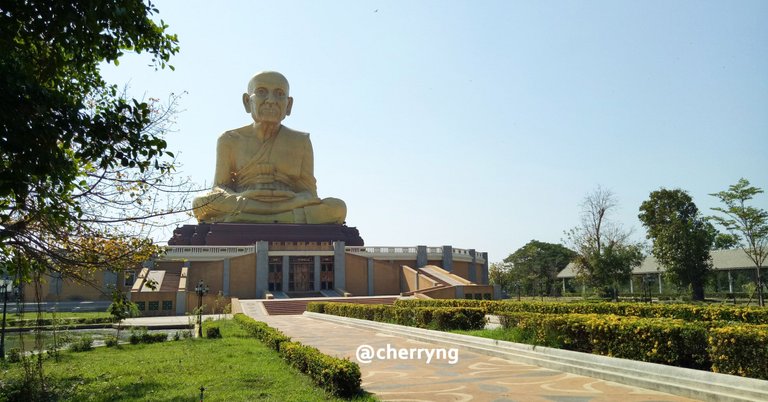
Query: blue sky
[[482, 124]]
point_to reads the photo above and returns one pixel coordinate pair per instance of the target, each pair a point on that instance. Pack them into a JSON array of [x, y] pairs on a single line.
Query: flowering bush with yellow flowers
[[687, 312], [440, 318], [740, 350], [657, 340]]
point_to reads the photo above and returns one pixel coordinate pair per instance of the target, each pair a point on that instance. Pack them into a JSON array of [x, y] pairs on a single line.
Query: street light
[[201, 291], [647, 281], [6, 286]]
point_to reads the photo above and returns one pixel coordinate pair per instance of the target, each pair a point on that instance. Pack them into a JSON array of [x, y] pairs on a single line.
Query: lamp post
[[201, 289], [6, 286], [647, 295]]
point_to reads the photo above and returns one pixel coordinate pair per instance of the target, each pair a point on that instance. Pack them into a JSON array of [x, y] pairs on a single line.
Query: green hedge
[[261, 331], [46, 322], [687, 312], [439, 318], [740, 350], [657, 340], [338, 376], [140, 335]]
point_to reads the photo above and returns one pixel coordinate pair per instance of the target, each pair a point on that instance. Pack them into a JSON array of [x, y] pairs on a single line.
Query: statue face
[[268, 100]]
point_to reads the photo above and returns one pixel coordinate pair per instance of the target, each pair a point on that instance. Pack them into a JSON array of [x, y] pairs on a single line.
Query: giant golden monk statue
[[265, 171]]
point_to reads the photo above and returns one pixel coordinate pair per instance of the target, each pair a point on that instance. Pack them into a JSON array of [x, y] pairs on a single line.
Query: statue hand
[[260, 206], [268, 195]]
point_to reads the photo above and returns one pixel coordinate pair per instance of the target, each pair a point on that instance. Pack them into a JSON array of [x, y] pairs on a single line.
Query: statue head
[[267, 98]]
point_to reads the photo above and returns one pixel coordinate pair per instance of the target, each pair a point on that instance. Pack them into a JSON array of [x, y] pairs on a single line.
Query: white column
[[660, 290], [730, 282]]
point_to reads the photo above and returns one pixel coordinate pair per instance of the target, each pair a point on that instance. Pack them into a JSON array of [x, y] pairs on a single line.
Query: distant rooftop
[[721, 260]]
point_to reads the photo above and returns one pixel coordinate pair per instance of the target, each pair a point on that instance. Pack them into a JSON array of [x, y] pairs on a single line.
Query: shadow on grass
[[364, 396]]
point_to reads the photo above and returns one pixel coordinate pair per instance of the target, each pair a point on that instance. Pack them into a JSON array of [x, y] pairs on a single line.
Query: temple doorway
[[300, 274]]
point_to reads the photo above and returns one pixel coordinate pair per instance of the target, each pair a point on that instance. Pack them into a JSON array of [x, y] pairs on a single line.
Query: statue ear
[[247, 103], [290, 105]]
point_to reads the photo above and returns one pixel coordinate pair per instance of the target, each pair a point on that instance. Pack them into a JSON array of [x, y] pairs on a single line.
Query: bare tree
[[605, 256]]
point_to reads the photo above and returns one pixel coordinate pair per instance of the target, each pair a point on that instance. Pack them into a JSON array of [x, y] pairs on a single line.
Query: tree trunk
[[760, 296], [697, 291]]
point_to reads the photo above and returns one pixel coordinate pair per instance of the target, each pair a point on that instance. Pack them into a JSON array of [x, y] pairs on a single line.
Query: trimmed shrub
[[440, 318], [261, 331], [687, 312], [142, 336], [740, 350], [110, 341], [458, 318], [338, 376], [213, 333], [316, 307], [83, 344], [666, 341]]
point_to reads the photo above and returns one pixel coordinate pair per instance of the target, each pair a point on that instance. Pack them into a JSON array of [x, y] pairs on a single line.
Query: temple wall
[[386, 278], [356, 275], [75, 291], [478, 292], [242, 277], [53, 289], [442, 293], [153, 304], [210, 272], [479, 274], [408, 282], [461, 268], [212, 303]]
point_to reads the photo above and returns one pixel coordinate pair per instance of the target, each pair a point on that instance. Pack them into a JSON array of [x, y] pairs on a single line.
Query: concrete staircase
[[170, 282], [299, 306]]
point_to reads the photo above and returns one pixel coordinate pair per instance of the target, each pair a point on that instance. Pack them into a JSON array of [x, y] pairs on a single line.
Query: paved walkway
[[474, 377]]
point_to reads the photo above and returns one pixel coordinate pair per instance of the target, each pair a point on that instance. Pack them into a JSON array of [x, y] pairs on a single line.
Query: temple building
[[278, 270]]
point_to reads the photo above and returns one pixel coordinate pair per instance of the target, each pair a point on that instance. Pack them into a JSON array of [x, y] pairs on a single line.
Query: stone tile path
[[474, 377]]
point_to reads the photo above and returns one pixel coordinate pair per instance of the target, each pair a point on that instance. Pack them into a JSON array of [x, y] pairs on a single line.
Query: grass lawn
[[234, 368]]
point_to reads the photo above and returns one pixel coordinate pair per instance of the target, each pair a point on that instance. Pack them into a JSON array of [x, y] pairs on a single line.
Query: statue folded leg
[[329, 211], [220, 206]]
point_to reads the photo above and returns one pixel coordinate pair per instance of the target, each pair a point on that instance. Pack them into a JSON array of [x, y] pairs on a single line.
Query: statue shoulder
[[235, 135], [294, 134]]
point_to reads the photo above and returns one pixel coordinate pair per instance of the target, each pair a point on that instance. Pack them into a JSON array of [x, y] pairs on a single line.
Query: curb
[[696, 384]]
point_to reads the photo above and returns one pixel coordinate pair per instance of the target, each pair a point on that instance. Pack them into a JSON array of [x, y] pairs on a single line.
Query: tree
[[681, 237], [120, 309], [498, 274], [538, 263], [725, 241], [605, 257], [747, 223], [82, 166]]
